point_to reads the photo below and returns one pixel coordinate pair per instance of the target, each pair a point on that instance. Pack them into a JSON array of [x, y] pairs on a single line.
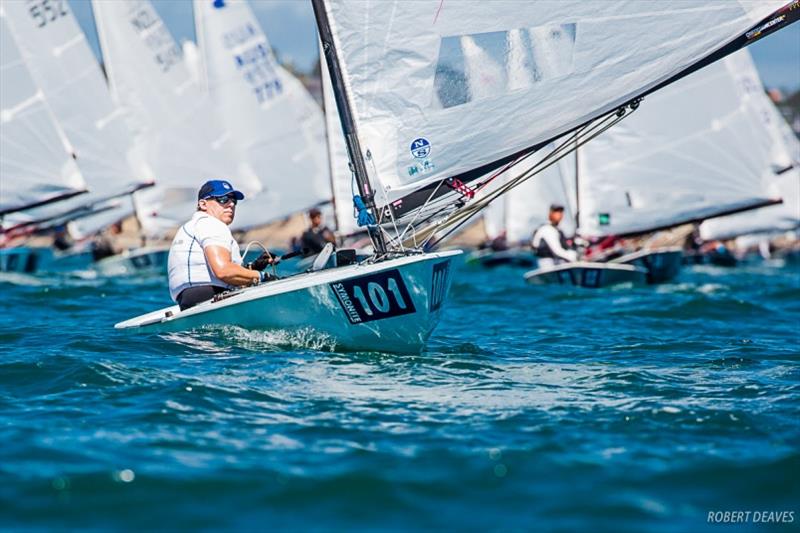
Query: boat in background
[[516, 257], [661, 264], [661, 169], [91, 138], [588, 275], [34, 260], [146, 260]]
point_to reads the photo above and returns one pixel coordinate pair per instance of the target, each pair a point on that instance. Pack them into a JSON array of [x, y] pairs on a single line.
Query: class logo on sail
[[420, 148]]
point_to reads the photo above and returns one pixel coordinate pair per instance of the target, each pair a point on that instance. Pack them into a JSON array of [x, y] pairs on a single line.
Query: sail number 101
[[374, 297]]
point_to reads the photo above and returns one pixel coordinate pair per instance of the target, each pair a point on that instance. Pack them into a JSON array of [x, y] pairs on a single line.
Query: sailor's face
[[223, 211], [556, 216]]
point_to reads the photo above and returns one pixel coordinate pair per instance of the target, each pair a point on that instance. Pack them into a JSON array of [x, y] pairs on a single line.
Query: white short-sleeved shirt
[[187, 264]]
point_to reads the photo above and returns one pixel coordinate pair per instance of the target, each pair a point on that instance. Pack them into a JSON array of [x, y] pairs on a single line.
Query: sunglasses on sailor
[[223, 200]]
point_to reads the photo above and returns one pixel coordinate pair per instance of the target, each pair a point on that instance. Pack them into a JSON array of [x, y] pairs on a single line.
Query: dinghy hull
[[588, 275], [142, 261], [512, 258], [662, 264], [39, 260], [392, 305]]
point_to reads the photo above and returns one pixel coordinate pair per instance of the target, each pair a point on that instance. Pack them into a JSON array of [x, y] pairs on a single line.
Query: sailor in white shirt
[[204, 258], [549, 242]]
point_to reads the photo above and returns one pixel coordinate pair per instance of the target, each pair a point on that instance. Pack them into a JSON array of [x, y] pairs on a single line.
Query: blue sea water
[[531, 408]]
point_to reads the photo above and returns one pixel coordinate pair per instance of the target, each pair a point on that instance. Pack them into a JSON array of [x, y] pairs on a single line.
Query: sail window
[[481, 65]]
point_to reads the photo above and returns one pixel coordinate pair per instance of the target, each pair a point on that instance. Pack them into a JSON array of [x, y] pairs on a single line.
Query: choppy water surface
[[614, 410]]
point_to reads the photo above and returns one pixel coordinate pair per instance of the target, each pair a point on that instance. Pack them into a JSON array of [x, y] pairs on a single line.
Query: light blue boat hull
[[393, 305]]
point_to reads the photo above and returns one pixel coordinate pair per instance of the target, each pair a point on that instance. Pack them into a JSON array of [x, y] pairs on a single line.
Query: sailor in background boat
[[63, 240], [549, 242], [317, 236], [204, 258], [103, 243]]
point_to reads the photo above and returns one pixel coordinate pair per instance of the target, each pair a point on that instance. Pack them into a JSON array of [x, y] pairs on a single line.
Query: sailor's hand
[[263, 261]]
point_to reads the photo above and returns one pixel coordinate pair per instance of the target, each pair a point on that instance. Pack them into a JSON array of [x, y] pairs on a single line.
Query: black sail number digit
[[36, 12]]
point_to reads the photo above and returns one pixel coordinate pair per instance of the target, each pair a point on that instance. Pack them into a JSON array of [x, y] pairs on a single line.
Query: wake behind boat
[[587, 274], [391, 305]]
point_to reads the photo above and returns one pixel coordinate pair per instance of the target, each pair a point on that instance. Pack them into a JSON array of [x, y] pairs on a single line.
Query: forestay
[[423, 115], [56, 51], [36, 164], [275, 124], [695, 150], [174, 124]]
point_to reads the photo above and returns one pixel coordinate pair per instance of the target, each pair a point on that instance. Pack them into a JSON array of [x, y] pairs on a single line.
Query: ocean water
[[532, 408]]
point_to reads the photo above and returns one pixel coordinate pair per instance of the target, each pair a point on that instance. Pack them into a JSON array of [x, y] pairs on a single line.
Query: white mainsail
[[36, 163], [417, 119], [274, 122], [175, 126], [695, 150]]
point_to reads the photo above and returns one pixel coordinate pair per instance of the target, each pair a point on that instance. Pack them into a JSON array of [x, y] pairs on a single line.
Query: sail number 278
[[374, 297]]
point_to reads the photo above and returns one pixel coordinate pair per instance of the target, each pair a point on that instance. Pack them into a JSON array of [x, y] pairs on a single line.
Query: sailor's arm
[[552, 240], [219, 259]]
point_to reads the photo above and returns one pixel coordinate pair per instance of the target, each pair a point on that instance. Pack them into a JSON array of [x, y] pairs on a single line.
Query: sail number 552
[[45, 11]]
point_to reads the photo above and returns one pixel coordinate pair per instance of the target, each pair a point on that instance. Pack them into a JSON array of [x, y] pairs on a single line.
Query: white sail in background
[[342, 180], [36, 163], [694, 150], [771, 219], [174, 123], [64, 67], [529, 204], [784, 180], [274, 122], [404, 66], [58, 55], [524, 208]]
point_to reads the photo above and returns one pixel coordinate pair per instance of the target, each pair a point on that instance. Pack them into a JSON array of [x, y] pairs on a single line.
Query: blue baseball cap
[[213, 188]]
